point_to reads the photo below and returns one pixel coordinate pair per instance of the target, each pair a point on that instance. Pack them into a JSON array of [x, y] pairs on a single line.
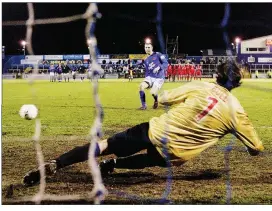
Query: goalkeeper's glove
[[156, 70]]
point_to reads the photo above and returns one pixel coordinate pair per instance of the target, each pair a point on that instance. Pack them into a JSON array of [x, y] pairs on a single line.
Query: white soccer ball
[[28, 112]]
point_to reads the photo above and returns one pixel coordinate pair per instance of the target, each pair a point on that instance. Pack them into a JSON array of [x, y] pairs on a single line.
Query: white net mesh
[[98, 193]]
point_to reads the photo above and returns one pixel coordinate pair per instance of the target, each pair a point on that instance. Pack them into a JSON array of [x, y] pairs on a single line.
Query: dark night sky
[[123, 25]]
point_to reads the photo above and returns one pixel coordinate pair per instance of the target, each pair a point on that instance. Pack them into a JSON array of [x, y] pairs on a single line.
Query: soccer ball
[[28, 112]]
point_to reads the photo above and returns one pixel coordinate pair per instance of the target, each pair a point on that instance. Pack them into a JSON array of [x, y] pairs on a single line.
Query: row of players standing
[[184, 71], [65, 72]]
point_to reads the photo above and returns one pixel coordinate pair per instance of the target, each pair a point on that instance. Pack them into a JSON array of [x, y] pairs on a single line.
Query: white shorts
[[89, 75], [155, 84], [51, 74], [158, 82], [66, 75]]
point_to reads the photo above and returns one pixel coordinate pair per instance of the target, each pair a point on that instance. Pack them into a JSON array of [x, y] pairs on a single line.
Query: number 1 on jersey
[[213, 102]]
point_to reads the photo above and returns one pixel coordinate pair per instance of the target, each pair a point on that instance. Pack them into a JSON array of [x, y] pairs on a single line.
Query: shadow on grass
[[132, 177]]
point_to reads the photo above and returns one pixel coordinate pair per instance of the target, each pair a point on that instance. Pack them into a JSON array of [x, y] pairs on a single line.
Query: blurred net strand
[[169, 179], [228, 148], [46, 21], [98, 193], [36, 138]]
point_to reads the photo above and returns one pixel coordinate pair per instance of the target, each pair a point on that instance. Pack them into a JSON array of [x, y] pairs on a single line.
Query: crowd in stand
[[122, 67]]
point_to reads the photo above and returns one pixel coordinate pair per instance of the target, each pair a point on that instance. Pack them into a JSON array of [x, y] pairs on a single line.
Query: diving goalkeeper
[[201, 114]]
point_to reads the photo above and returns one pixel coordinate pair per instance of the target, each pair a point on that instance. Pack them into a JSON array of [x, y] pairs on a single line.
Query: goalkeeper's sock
[[76, 155], [155, 97], [142, 96]]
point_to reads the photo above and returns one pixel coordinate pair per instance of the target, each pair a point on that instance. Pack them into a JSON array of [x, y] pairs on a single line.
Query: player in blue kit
[[52, 73], [155, 67]]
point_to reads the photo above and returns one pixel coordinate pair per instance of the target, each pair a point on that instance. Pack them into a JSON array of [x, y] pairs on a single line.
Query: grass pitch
[[67, 112]]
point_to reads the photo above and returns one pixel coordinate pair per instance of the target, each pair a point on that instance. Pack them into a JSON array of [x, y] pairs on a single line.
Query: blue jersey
[[52, 69], [59, 70], [153, 61]]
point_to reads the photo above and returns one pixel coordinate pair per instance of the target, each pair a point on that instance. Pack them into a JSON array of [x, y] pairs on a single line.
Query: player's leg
[[155, 90], [144, 85], [122, 144], [199, 75], [139, 161]]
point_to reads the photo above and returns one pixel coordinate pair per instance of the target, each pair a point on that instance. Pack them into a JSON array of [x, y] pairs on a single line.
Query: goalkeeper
[[155, 68], [202, 113]]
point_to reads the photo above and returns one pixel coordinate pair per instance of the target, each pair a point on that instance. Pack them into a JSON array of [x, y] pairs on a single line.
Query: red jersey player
[[192, 72], [183, 72], [169, 71], [179, 71], [198, 72]]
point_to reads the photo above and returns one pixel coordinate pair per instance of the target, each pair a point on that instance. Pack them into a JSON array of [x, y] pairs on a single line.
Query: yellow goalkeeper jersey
[[202, 113]]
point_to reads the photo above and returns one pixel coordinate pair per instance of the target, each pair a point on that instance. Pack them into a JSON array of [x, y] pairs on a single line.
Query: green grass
[[67, 112]]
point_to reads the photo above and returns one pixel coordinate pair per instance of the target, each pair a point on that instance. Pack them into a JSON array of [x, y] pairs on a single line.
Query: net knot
[[30, 22]]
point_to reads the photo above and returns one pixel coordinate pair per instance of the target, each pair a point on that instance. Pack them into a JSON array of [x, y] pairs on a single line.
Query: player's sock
[[155, 97], [76, 155], [142, 96]]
